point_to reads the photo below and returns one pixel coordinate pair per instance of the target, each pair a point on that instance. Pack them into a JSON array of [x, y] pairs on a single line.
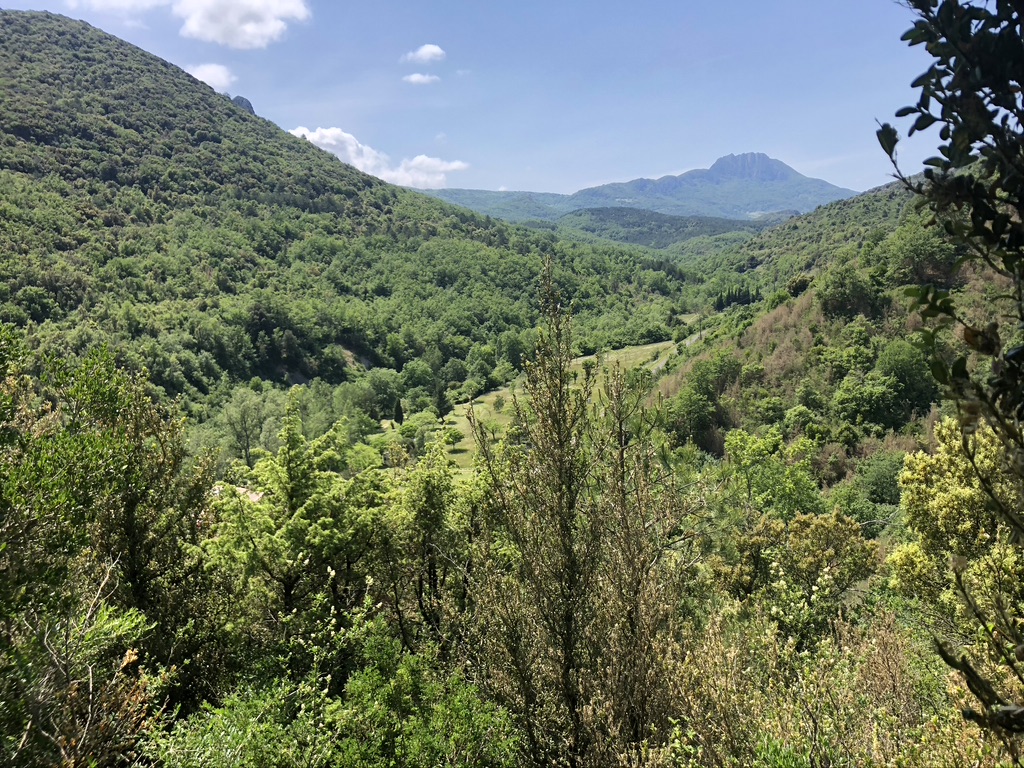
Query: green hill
[[144, 211], [650, 229], [826, 353]]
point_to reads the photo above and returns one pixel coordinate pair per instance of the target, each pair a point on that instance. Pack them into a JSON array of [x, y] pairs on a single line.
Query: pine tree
[[575, 604]]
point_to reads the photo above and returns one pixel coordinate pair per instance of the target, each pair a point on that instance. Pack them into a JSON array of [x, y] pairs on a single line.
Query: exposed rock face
[[751, 166], [244, 103]]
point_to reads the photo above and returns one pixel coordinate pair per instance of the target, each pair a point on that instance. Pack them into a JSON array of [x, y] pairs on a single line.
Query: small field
[[494, 409]]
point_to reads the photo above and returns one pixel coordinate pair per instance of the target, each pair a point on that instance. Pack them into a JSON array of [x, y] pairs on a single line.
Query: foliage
[[771, 475], [396, 711], [953, 533], [102, 585], [867, 399], [622, 580], [845, 292], [917, 254], [202, 243], [974, 188], [649, 228], [915, 388], [750, 697], [586, 535]]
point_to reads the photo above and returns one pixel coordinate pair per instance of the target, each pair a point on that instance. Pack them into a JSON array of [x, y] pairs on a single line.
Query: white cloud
[[347, 147], [421, 171], [418, 78], [239, 23], [425, 54], [217, 76], [235, 23], [425, 172]]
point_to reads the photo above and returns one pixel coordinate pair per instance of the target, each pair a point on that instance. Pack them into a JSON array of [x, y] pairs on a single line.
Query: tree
[[244, 416], [575, 605], [420, 562], [771, 476], [975, 189], [291, 531], [919, 254], [691, 417], [868, 399], [844, 292], [916, 388], [946, 510], [102, 583], [542, 496]]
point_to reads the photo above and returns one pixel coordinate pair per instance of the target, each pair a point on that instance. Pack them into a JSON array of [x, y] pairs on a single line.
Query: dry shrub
[[784, 320], [831, 464], [913, 324], [890, 442], [865, 695], [785, 333], [788, 360]]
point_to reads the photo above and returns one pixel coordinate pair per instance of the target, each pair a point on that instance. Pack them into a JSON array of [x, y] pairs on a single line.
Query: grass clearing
[[494, 408]]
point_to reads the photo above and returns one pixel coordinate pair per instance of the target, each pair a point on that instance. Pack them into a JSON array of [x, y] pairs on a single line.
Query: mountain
[[344, 595], [142, 211], [744, 186]]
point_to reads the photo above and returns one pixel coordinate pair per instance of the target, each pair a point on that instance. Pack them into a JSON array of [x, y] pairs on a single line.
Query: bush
[[869, 399], [844, 292], [916, 388]]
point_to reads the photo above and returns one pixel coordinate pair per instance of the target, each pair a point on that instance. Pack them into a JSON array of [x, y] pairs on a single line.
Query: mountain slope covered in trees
[[652, 230], [143, 210]]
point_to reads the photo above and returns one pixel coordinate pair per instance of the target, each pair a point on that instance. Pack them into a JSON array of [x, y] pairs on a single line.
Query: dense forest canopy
[[203, 243], [239, 523]]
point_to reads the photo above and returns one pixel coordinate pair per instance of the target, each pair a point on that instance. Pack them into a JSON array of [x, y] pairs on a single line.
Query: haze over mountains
[[745, 186]]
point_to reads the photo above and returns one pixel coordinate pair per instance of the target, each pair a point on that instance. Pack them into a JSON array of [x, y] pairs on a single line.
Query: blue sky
[[549, 96]]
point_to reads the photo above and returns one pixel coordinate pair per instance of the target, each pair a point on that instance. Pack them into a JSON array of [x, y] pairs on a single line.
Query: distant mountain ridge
[[744, 186], [754, 166]]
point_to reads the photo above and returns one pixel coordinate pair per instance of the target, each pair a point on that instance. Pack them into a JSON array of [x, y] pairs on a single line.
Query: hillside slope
[[650, 229], [142, 210], [813, 242], [827, 353]]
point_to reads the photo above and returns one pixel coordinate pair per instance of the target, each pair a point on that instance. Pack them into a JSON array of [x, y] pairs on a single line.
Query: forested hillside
[[144, 211], [232, 532], [650, 229]]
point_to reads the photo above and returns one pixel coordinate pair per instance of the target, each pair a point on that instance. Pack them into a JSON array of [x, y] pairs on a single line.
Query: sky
[[549, 96]]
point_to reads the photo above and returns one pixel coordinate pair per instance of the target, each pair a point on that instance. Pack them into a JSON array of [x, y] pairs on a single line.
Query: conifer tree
[[575, 604]]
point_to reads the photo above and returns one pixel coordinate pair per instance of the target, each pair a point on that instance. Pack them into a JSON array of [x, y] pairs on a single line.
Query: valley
[[493, 409], [301, 467]]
